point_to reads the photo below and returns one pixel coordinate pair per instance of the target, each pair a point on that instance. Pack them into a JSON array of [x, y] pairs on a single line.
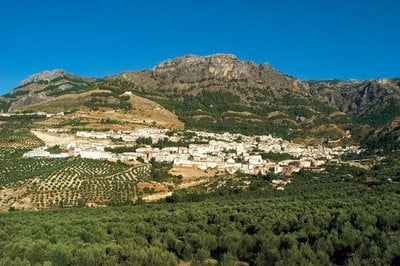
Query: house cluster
[[44, 153], [224, 152], [126, 135], [44, 114]]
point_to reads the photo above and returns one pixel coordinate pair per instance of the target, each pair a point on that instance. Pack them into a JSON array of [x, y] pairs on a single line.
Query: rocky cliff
[[189, 73]]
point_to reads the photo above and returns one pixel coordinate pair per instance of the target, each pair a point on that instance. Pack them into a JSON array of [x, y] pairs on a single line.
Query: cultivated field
[[50, 183], [17, 139], [47, 183]]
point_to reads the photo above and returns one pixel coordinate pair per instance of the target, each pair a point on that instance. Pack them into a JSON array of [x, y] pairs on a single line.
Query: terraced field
[[13, 140], [47, 183], [18, 171], [50, 183], [89, 183]]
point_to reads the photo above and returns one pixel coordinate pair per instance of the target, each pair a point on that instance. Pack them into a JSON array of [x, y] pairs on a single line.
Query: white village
[[223, 152]]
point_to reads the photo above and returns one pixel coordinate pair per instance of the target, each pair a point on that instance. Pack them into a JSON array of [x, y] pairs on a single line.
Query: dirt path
[[51, 139]]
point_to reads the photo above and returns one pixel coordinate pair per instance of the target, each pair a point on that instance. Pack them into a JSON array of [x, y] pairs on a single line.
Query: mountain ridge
[[214, 92], [47, 75]]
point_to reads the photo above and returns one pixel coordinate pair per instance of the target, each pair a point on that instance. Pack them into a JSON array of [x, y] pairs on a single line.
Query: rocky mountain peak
[[191, 61], [222, 56], [194, 73], [195, 59], [383, 81], [192, 68], [44, 76]]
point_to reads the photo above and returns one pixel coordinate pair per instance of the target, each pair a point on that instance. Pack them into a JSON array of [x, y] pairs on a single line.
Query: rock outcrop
[[45, 76], [192, 73]]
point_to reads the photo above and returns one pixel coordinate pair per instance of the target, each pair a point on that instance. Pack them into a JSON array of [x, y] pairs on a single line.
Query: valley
[[201, 160]]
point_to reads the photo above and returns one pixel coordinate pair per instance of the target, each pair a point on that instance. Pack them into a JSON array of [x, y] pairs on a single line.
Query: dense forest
[[320, 219]]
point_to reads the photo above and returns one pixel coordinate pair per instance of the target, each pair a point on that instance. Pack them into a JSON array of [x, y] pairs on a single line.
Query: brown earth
[[144, 112], [14, 197], [191, 173], [53, 139]]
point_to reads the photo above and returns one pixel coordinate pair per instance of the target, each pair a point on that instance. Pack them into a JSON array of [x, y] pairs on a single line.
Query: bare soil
[[191, 173]]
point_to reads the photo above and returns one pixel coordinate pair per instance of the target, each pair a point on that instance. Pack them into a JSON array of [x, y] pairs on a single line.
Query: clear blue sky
[[318, 39]]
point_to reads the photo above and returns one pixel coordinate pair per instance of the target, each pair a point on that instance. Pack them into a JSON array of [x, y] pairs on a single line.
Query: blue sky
[[307, 39]]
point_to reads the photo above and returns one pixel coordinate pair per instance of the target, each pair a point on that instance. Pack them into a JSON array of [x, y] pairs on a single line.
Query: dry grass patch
[[191, 173]]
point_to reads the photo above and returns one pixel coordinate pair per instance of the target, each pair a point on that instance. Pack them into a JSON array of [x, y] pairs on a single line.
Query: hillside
[[373, 102], [44, 86], [385, 139], [222, 93], [102, 108], [86, 99]]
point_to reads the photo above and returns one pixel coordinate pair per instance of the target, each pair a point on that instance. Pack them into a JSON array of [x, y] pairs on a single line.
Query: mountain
[[189, 73], [87, 98], [384, 139], [374, 102], [44, 86], [222, 93], [45, 77]]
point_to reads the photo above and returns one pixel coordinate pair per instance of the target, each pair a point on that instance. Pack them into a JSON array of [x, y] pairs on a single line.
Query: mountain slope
[[222, 93], [191, 74], [373, 102], [384, 139], [44, 86]]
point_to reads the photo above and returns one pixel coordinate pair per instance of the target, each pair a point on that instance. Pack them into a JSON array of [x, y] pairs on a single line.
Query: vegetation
[[54, 149], [221, 111], [162, 143], [121, 149], [72, 90], [108, 100], [276, 157], [344, 216], [160, 172], [54, 183], [386, 144], [4, 106], [109, 121], [59, 183], [144, 140], [16, 93], [390, 112], [22, 118], [15, 139], [317, 220]]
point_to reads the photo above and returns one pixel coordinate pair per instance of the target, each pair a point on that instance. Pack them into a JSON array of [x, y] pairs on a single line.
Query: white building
[[95, 155]]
